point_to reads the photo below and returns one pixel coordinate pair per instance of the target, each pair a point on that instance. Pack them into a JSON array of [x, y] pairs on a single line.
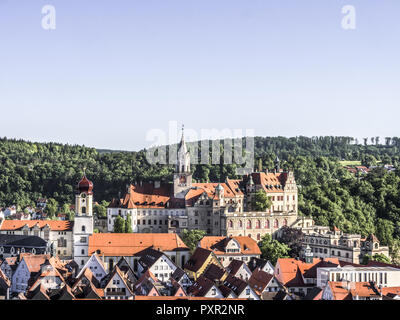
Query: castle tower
[[182, 175], [83, 222]]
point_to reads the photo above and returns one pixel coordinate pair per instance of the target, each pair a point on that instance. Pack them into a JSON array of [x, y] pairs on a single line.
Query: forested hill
[[327, 191]]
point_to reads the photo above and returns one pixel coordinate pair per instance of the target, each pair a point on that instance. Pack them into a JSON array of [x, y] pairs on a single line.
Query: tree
[[128, 224], [293, 238], [101, 209], [192, 237], [260, 201], [376, 257], [51, 208], [119, 225], [66, 208], [272, 250]]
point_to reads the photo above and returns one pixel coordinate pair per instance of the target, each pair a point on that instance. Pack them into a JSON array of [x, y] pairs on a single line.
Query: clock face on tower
[[182, 180]]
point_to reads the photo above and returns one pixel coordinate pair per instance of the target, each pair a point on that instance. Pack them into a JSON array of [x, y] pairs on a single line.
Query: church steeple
[[182, 176], [183, 160]]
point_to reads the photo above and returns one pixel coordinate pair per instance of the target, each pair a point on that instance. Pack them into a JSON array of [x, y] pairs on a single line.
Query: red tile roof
[[55, 225], [129, 244], [218, 244]]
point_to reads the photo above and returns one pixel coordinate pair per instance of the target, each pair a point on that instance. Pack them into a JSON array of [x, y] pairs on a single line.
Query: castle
[[220, 209]]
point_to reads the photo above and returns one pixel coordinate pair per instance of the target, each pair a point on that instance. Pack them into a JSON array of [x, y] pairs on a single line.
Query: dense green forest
[[327, 191]]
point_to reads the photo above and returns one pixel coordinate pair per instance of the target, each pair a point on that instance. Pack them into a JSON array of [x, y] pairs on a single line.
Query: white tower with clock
[[182, 175], [83, 222]]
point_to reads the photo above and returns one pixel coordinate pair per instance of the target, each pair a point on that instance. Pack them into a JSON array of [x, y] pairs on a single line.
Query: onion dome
[[85, 186]]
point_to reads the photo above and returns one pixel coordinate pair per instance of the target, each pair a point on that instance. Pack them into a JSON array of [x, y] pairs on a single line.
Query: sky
[[111, 71]]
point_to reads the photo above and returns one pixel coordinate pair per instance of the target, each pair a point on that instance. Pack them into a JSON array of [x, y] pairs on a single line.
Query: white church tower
[[182, 175], [83, 222]]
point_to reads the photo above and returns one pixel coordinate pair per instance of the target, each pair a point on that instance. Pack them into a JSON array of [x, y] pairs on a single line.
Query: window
[[267, 224], [83, 229], [247, 291], [276, 223], [83, 251], [248, 224], [230, 224], [83, 240], [258, 224]]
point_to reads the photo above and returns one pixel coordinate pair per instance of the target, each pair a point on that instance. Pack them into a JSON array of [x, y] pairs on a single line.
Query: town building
[[220, 209], [13, 244], [228, 249], [57, 233], [381, 276], [110, 247], [326, 243]]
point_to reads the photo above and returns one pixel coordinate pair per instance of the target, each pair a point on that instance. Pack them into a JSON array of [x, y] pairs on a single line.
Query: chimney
[[266, 171]]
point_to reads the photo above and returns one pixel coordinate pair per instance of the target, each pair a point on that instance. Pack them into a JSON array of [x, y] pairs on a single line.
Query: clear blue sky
[[112, 70]]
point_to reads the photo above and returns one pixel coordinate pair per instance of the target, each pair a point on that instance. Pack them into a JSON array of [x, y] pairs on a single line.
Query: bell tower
[[83, 222], [182, 175]]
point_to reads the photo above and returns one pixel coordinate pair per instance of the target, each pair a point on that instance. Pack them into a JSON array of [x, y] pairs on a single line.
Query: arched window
[[285, 222], [83, 228], [258, 224], [240, 224], [276, 223], [258, 236], [230, 223], [267, 224], [83, 209], [248, 224], [83, 251]]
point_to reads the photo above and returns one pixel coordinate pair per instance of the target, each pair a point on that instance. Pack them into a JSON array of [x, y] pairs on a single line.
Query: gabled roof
[[129, 244], [144, 196], [237, 285], [97, 259], [314, 294], [197, 260], [235, 266], [55, 225], [213, 272], [40, 293], [390, 290], [226, 291], [259, 280], [210, 189], [255, 263], [270, 182], [117, 272], [34, 262], [178, 274], [149, 257], [201, 287], [85, 274], [292, 271], [218, 245], [342, 290]]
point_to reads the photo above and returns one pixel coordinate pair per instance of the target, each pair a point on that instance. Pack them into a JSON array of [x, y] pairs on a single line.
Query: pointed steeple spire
[[183, 163]]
